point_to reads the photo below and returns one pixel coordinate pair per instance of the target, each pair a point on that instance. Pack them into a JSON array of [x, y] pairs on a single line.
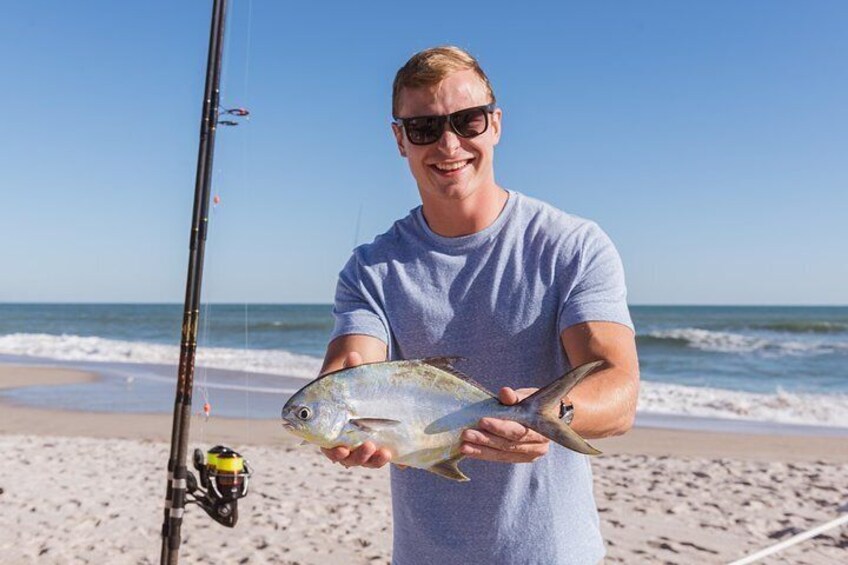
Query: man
[[521, 290]]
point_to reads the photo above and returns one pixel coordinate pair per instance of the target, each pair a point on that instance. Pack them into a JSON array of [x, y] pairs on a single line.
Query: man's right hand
[[367, 454]]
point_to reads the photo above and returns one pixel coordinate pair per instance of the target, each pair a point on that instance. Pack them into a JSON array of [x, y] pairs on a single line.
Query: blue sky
[[709, 139]]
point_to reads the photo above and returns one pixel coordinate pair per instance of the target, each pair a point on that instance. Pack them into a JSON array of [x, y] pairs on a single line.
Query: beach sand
[[89, 488]]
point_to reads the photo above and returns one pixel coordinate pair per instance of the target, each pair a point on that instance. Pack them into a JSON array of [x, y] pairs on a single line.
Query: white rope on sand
[[792, 541]]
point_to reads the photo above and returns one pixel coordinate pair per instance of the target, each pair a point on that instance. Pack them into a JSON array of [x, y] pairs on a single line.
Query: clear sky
[[709, 139]]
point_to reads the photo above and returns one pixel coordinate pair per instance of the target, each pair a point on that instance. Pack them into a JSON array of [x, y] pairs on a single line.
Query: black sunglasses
[[424, 130]]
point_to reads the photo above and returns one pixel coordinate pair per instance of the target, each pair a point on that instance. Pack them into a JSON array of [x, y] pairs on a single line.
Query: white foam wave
[[726, 342], [98, 349], [778, 407]]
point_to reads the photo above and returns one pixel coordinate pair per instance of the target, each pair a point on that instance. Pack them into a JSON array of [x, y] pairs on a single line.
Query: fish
[[418, 409]]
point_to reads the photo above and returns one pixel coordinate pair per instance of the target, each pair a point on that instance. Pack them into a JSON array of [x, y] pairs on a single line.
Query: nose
[[449, 142]]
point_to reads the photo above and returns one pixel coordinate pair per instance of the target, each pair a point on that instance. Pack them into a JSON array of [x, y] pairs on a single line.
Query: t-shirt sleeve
[[596, 292], [355, 310]]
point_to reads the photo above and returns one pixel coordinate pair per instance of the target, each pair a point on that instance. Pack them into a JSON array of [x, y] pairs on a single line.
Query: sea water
[[756, 364]]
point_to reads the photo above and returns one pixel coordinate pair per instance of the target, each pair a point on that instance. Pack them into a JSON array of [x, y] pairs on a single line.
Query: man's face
[[453, 167]]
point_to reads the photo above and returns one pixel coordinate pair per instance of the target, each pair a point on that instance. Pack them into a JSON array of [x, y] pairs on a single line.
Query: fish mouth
[[287, 424]]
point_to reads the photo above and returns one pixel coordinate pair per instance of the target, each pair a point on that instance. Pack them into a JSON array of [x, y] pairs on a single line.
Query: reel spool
[[224, 478]]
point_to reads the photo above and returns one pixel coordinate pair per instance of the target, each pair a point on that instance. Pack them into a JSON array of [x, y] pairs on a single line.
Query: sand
[[89, 488]]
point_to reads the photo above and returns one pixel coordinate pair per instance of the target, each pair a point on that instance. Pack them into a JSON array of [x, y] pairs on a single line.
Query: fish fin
[[551, 394], [446, 364], [449, 470], [304, 442], [373, 424], [560, 432], [543, 406]]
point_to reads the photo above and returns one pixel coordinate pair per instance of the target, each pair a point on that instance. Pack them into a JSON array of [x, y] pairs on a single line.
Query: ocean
[[701, 366]]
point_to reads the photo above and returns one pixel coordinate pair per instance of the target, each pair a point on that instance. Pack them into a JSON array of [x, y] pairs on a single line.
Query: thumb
[[352, 359], [507, 396]]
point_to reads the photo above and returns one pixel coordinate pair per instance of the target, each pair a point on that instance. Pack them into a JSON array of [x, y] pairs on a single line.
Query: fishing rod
[[223, 473]]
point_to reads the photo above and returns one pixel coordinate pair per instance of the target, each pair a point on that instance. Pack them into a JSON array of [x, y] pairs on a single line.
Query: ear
[[398, 131], [497, 118]]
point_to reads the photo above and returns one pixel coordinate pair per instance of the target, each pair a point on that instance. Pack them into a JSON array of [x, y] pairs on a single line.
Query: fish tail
[[541, 410]]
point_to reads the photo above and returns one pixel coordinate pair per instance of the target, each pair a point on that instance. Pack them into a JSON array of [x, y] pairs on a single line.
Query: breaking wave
[[98, 349], [779, 407], [727, 342], [802, 327]]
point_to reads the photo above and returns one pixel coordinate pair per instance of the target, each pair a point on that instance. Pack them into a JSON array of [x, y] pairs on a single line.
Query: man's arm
[[350, 351], [604, 403], [370, 350]]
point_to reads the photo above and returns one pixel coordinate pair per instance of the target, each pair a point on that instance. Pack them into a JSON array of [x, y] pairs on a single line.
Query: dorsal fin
[[446, 364]]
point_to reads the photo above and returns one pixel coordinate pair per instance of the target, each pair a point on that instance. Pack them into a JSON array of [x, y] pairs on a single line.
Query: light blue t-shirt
[[499, 298]]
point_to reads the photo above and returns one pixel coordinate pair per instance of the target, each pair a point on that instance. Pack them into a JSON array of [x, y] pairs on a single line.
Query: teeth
[[451, 166]]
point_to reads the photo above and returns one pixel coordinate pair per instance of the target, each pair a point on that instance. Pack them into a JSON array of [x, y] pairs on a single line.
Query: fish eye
[[304, 413]]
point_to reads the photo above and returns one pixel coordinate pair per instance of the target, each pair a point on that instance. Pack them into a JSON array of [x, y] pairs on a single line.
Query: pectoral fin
[[449, 470], [373, 424]]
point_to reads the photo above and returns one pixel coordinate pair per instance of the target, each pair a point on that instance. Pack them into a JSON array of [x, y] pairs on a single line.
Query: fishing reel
[[223, 478]]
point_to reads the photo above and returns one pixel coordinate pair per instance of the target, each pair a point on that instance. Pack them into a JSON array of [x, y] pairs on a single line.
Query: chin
[[458, 191]]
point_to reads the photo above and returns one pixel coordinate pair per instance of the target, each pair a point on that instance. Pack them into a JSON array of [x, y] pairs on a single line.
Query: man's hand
[[504, 440], [367, 454]]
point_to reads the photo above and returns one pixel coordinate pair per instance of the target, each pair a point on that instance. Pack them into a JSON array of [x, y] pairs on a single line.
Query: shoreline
[[24, 420], [652, 435]]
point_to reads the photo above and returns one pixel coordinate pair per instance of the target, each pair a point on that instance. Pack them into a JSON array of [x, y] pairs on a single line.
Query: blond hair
[[431, 66]]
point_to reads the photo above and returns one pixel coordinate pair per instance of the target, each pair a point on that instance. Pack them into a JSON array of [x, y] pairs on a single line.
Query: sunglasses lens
[[422, 131], [471, 122]]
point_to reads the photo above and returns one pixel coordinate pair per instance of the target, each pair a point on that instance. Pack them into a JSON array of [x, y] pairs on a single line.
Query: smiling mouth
[[451, 167]]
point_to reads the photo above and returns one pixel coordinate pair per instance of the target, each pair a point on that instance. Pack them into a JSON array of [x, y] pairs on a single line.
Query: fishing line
[[204, 374], [204, 339], [204, 343], [803, 536], [245, 142], [238, 106]]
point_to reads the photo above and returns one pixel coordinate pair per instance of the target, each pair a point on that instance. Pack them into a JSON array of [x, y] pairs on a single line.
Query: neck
[[474, 213]]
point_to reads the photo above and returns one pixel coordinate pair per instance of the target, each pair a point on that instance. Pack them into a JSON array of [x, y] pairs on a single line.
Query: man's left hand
[[504, 440]]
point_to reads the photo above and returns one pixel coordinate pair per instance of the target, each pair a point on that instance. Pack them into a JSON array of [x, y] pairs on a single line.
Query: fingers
[[366, 455], [336, 454], [380, 458], [360, 455], [514, 453], [489, 454], [507, 396], [483, 445], [510, 430], [481, 438], [352, 360]]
